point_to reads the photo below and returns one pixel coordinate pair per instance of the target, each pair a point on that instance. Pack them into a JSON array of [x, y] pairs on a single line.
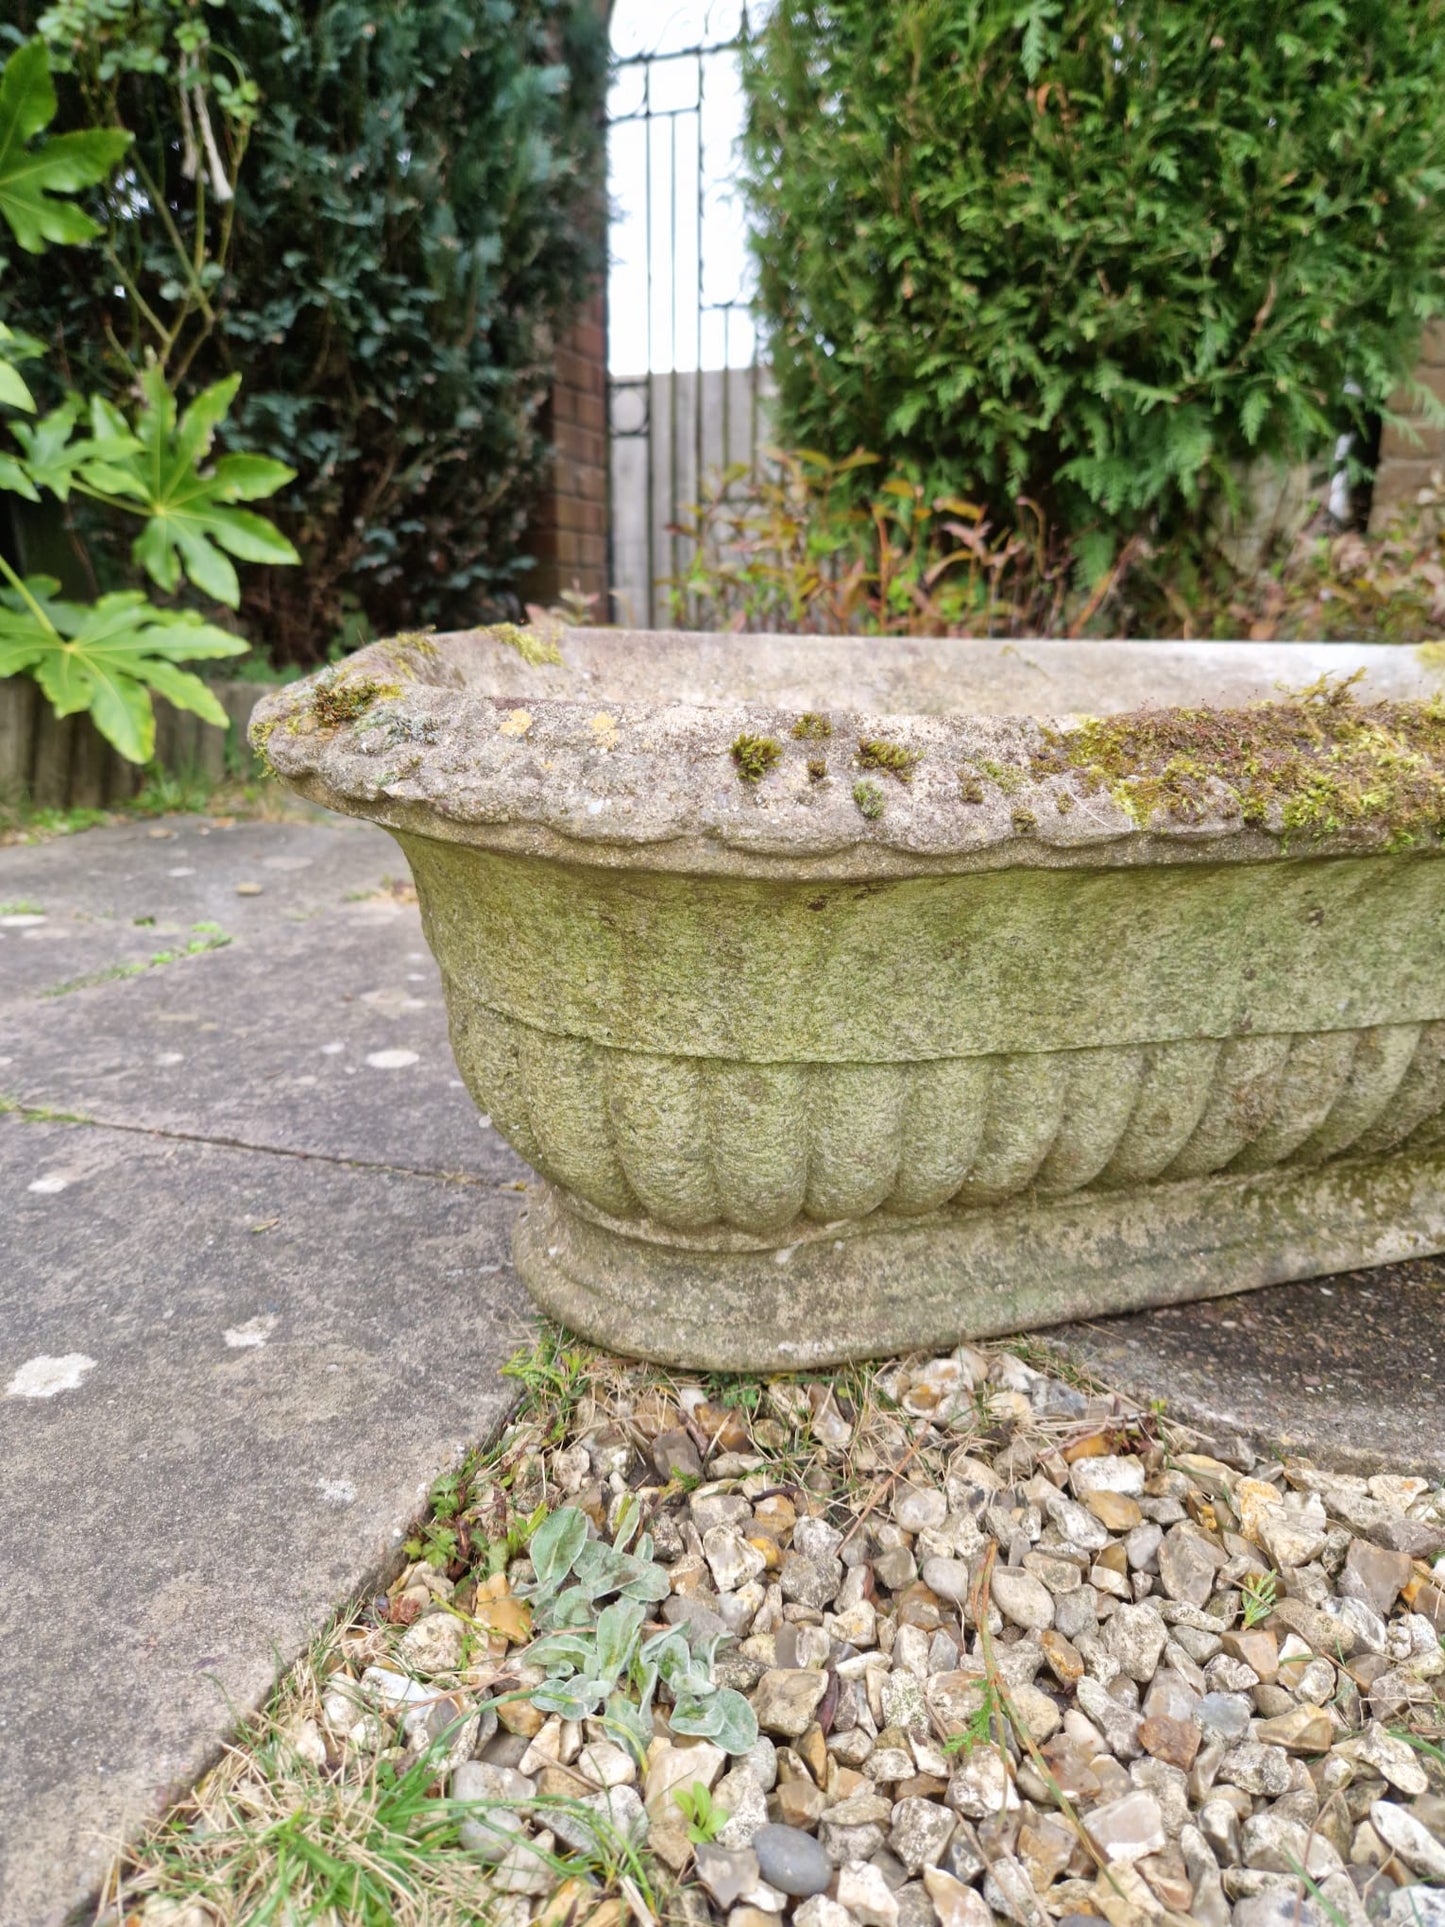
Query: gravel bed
[[934, 1644]]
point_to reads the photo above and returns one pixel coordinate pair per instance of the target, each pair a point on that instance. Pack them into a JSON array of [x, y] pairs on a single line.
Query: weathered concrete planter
[[847, 1006]]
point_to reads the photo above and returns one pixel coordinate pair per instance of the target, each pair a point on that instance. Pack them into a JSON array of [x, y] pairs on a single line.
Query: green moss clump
[[755, 756], [869, 799], [817, 768], [530, 645], [1063, 802], [1009, 778], [875, 753], [1025, 822], [338, 700], [1317, 764], [405, 646], [970, 790], [812, 728]]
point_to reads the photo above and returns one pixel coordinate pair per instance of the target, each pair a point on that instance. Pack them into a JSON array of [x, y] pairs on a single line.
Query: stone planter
[[847, 1005]]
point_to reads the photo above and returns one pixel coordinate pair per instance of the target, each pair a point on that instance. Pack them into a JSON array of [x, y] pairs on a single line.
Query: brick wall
[[1406, 463], [568, 535]]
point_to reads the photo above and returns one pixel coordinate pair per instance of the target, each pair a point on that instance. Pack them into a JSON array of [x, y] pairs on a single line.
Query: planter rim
[[621, 750]]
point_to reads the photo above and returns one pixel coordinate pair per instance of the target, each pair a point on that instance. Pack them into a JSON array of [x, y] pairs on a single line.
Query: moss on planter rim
[[755, 755], [341, 700], [1318, 763], [876, 752]]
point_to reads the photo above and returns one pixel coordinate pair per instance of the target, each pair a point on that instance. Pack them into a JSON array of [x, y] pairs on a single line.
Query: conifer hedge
[[1094, 251]]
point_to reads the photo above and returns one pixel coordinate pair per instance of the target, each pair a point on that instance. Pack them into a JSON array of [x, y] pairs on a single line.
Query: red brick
[[592, 412]]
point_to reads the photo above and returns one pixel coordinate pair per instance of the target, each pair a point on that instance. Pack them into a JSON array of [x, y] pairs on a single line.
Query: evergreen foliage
[[417, 217], [1097, 252]]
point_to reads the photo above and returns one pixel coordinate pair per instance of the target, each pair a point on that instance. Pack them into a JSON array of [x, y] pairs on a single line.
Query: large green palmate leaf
[[107, 658], [190, 520], [32, 176], [55, 456], [14, 348]]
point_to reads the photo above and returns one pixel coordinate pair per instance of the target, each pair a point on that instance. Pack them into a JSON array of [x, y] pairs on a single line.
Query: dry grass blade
[[979, 1605]]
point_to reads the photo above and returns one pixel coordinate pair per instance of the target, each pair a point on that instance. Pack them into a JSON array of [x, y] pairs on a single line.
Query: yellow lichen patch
[[1317, 764], [516, 723], [604, 730]]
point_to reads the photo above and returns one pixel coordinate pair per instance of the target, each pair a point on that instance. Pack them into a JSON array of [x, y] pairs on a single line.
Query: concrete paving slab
[[257, 1365], [318, 1029], [1347, 1370], [74, 906]]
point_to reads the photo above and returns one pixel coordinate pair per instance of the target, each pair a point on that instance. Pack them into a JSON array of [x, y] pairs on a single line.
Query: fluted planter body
[[851, 996]]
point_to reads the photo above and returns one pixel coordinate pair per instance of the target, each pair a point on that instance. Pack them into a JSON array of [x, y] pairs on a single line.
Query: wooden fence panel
[[69, 765]]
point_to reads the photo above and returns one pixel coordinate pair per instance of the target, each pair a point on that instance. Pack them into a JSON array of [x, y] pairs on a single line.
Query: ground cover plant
[[1099, 255], [804, 543], [1010, 1648], [417, 216]]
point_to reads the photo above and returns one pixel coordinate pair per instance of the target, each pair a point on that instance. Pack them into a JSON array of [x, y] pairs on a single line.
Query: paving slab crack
[[46, 1114]]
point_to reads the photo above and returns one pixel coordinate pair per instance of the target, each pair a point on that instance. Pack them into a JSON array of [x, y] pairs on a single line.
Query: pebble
[[920, 1833], [1136, 1637], [1127, 1829], [866, 1895], [1188, 1563], [433, 1644], [820, 1911], [1257, 1769], [955, 1904], [786, 1699], [951, 1579], [792, 1861], [1022, 1599], [726, 1873], [1204, 1757], [1119, 1475], [916, 1508]]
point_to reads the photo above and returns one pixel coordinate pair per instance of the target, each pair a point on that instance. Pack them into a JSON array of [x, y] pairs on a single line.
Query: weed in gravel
[[1260, 1593]]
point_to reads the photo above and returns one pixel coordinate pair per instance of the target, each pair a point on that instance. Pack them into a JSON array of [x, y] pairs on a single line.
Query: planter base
[[892, 1286]]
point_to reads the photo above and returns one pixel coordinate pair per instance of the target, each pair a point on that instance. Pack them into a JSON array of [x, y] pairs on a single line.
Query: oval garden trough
[[852, 996]]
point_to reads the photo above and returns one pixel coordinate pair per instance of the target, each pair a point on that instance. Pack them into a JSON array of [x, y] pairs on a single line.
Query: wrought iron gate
[[687, 393]]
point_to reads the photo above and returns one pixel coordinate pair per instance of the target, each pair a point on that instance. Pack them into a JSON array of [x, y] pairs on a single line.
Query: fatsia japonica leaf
[[107, 657], [34, 174], [54, 456], [191, 523], [14, 391]]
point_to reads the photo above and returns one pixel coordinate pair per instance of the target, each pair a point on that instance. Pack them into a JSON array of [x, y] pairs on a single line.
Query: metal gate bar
[[652, 399]]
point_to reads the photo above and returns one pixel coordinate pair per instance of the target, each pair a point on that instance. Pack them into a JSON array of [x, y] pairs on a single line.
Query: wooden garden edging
[[69, 764]]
